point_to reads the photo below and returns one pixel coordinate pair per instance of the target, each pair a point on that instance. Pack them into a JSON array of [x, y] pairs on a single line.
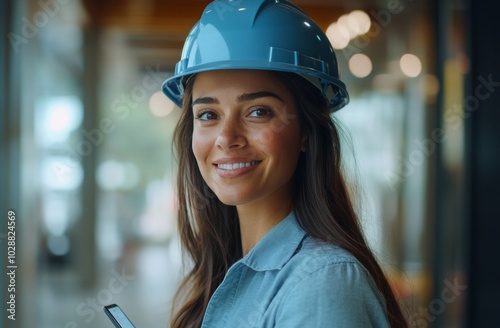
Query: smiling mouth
[[236, 166]]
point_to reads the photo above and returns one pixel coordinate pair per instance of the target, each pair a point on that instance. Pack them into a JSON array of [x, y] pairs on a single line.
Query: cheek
[[200, 145], [280, 136]]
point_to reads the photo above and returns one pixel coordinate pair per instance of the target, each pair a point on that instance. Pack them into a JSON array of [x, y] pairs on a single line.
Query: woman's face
[[246, 136]]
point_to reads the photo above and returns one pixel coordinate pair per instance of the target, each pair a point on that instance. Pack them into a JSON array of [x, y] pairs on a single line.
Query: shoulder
[[330, 283], [328, 267], [331, 268], [314, 257]]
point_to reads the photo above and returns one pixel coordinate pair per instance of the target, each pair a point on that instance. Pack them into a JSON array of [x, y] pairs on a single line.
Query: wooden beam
[[176, 18]]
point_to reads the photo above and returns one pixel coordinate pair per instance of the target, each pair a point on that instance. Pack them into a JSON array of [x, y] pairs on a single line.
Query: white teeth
[[235, 165]]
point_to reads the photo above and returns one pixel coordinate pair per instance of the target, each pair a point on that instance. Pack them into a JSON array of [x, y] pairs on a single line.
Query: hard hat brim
[[173, 87]]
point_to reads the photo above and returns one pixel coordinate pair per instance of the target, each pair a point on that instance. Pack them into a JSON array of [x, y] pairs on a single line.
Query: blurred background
[[87, 167]]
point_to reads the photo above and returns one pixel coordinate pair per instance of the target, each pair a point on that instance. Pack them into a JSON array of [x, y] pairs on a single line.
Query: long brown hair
[[209, 230]]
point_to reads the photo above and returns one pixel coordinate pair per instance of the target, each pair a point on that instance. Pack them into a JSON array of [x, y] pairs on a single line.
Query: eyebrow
[[241, 98], [205, 101], [257, 95]]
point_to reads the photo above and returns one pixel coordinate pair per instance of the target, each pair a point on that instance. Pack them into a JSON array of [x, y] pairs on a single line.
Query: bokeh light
[[338, 36], [348, 27], [359, 22], [360, 65], [410, 65], [160, 105]]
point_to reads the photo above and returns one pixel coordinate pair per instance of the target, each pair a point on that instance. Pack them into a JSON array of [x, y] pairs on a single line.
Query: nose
[[231, 136]]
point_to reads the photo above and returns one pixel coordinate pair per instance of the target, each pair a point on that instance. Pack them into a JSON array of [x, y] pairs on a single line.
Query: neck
[[256, 220]]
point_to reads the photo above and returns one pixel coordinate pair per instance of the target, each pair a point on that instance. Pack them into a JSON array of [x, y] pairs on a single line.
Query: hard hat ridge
[[259, 34]]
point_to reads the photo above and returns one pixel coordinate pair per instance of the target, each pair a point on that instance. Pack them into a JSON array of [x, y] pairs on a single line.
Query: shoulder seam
[[344, 261]]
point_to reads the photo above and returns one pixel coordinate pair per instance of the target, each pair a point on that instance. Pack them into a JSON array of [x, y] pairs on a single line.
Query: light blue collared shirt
[[292, 280]]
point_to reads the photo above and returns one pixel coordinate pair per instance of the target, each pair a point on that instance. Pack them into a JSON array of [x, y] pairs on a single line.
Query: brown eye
[[206, 116], [261, 112]]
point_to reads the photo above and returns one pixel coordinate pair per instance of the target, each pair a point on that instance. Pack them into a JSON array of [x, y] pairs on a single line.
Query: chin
[[233, 200]]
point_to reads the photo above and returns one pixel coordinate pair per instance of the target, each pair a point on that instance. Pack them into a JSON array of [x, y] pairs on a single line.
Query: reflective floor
[[142, 286]]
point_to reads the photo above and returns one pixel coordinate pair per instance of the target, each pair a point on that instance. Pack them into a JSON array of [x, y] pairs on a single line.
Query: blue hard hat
[[259, 34]]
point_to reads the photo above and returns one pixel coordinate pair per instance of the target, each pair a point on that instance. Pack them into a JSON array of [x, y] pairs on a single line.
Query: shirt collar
[[276, 248]]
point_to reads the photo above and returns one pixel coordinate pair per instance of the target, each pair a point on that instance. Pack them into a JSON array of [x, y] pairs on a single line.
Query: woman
[[265, 214]]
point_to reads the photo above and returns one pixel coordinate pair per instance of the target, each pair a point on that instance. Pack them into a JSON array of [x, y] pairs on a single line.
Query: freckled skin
[[264, 130]]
